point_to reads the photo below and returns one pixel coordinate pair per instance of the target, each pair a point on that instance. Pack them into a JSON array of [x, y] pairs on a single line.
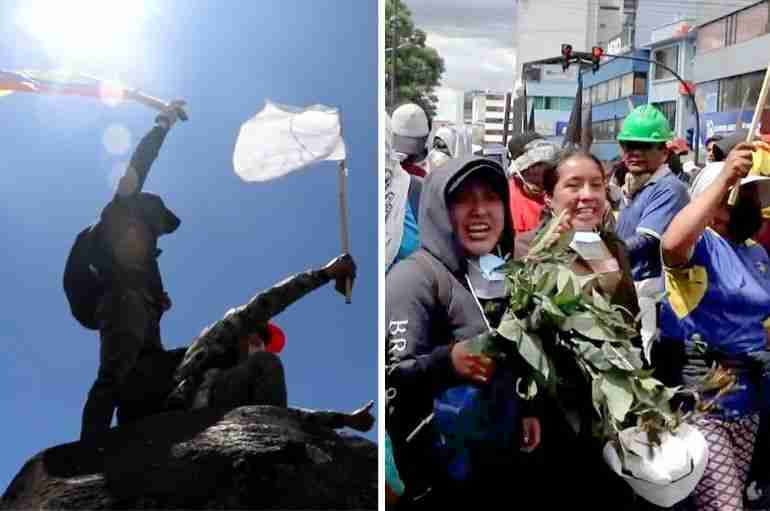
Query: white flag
[[281, 139]]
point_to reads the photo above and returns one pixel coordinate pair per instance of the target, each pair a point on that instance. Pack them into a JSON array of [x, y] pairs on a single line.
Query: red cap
[[678, 145], [276, 338], [274, 343]]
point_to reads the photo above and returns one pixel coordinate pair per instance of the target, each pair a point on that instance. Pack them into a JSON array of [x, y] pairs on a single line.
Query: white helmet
[[409, 120], [664, 474], [449, 136]]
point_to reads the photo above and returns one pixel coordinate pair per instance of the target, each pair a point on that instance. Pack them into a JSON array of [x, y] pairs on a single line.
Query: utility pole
[[394, 55]]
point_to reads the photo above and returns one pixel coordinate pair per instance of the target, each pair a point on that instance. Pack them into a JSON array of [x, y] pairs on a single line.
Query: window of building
[[596, 131], [740, 91], [595, 94], [753, 83], [730, 27], [604, 130], [601, 95], [640, 84], [735, 28], [729, 94], [566, 104], [752, 22], [712, 36], [668, 56], [495, 109], [539, 102], [669, 110], [707, 96], [627, 85], [613, 89]]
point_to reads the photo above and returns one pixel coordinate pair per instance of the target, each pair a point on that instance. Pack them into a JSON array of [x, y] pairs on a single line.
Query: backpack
[[82, 283]]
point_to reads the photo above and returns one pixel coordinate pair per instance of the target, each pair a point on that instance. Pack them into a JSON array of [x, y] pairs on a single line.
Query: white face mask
[[485, 278], [489, 263]]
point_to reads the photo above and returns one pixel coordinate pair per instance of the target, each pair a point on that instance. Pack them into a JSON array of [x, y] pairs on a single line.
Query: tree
[[418, 67]]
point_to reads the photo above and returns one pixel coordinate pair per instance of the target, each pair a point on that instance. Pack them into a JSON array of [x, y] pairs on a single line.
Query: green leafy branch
[[556, 317]]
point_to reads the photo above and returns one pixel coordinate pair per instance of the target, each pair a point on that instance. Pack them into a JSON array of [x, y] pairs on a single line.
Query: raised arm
[[275, 300], [221, 338], [146, 152], [687, 227]]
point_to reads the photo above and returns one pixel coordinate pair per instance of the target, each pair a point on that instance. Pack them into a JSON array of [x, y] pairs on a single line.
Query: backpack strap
[[413, 197], [441, 285]]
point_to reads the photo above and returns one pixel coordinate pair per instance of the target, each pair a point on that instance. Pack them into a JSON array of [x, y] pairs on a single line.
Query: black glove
[[169, 115]]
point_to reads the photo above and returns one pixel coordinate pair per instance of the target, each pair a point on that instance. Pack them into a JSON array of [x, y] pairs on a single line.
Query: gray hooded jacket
[[420, 326]]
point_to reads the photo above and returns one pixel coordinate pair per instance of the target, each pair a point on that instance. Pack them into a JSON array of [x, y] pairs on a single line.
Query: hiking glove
[[169, 115]]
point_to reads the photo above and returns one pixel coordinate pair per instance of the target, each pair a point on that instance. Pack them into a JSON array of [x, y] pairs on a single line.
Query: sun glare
[[78, 30]]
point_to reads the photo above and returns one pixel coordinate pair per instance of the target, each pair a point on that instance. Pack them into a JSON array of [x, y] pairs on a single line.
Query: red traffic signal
[[596, 55], [566, 53]]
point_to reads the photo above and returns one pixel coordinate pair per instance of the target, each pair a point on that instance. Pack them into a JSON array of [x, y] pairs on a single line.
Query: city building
[[488, 109], [540, 30], [673, 44], [731, 58], [612, 92], [542, 27], [551, 91], [642, 17]]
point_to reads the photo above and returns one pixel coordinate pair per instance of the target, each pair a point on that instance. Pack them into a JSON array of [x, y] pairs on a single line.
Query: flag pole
[[138, 96], [149, 101], [344, 235], [342, 176], [757, 113]]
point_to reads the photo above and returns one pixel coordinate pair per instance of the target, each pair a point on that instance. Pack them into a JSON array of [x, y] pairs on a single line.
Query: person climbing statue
[[234, 362], [128, 298]]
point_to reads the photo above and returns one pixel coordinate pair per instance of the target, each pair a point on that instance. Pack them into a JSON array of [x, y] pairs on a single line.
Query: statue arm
[[275, 300]]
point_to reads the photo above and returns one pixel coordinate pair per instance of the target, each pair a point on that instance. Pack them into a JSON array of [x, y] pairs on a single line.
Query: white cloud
[[474, 63], [475, 39]]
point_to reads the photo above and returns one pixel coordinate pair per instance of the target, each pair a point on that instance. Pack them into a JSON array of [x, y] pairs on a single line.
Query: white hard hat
[[661, 474], [410, 121], [536, 151], [449, 136]]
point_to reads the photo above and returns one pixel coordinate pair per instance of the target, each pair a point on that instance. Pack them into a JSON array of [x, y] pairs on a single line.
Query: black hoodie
[[420, 328]]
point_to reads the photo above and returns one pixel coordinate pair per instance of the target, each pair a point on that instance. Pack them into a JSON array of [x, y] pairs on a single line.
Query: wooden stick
[[151, 101], [344, 235], [143, 98], [757, 114]]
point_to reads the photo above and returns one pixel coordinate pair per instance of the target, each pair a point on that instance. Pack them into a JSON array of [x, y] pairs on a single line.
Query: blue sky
[[236, 238]]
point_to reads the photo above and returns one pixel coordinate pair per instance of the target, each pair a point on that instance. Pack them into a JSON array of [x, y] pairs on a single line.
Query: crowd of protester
[[694, 267]]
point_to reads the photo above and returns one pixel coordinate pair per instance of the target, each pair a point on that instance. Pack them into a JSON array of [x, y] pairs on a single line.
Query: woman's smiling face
[[581, 190]]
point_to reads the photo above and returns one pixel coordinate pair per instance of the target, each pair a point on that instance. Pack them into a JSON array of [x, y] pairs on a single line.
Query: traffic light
[[596, 56], [566, 53]]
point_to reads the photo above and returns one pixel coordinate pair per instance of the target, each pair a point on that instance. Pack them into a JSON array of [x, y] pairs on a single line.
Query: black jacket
[[420, 328], [139, 207]]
